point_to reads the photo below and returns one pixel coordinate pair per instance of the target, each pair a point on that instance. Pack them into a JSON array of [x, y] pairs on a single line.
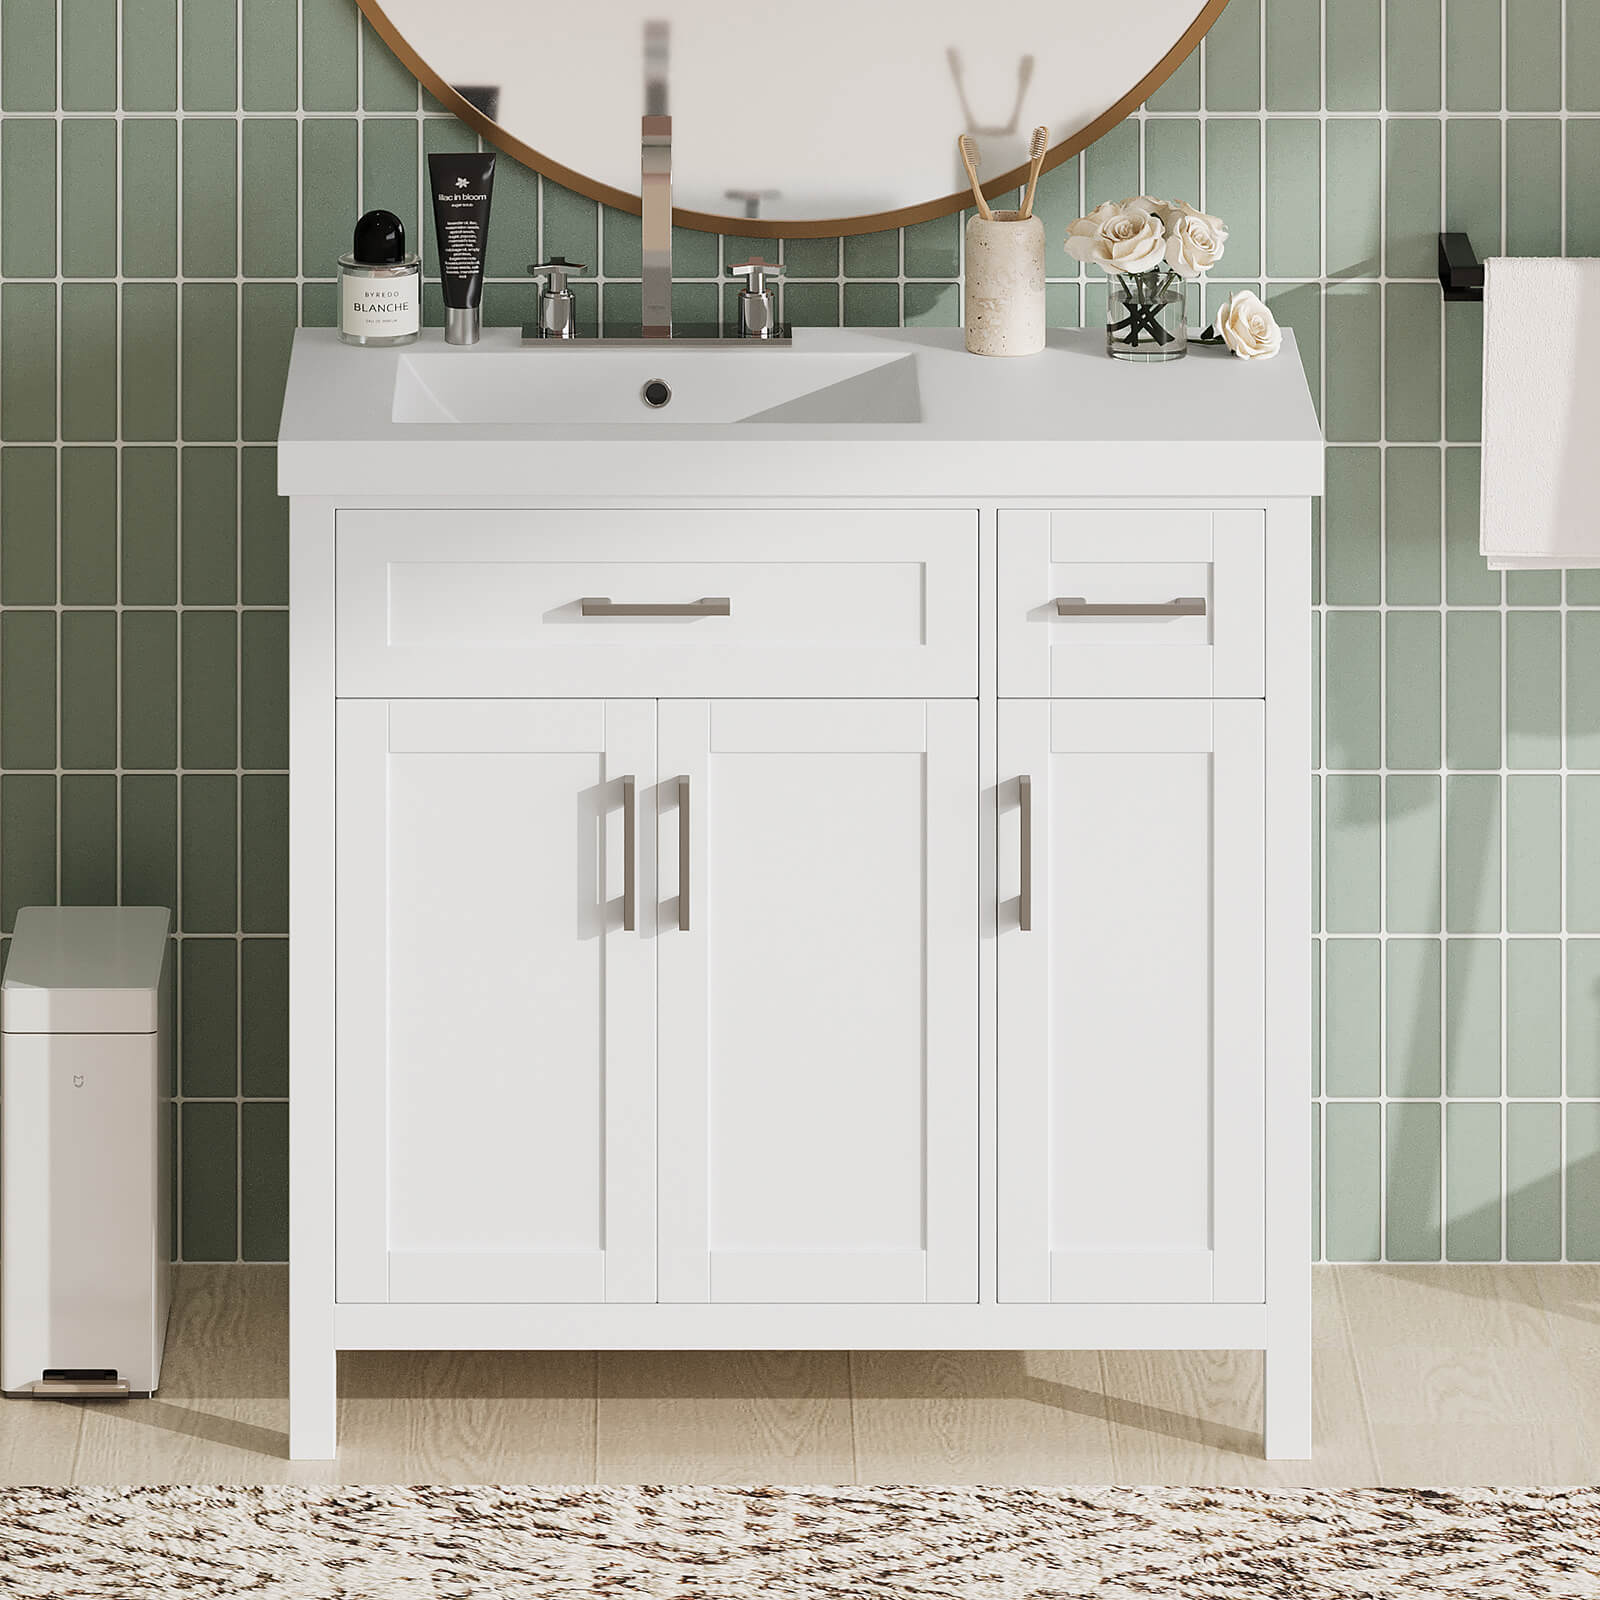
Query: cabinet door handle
[[712, 605], [1188, 605], [630, 853], [1025, 819], [683, 855]]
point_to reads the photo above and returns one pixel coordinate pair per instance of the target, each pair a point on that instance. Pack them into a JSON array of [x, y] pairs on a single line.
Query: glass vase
[[1146, 317]]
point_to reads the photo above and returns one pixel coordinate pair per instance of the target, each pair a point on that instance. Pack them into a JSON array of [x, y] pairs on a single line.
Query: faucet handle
[[556, 269], [757, 272]]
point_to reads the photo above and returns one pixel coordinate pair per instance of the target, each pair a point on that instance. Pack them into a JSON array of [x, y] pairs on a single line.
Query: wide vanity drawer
[[657, 603], [1132, 604]]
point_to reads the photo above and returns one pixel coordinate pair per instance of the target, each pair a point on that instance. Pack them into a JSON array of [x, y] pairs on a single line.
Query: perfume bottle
[[380, 286]]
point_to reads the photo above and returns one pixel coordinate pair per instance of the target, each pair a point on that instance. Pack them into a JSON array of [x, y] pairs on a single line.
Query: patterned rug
[[799, 1544]]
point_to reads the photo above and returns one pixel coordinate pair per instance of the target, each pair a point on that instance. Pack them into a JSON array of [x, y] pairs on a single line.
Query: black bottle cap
[[380, 240]]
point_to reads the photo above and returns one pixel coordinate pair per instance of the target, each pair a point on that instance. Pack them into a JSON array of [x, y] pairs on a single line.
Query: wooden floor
[[1425, 1375]]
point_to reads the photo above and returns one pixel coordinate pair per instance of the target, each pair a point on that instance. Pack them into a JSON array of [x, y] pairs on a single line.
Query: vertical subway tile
[[1533, 689], [934, 305], [571, 225], [88, 361], [811, 258], [1463, 354], [1171, 162], [264, 689], [1533, 1017], [209, 1201], [1411, 672], [1353, 1175], [264, 863], [1533, 55], [1583, 1018], [1294, 55], [1472, 854], [877, 305], [210, 526], [27, 843], [1413, 877], [88, 198], [1412, 522], [1472, 1181], [1467, 579], [1583, 1183], [28, 68], [1583, 689], [268, 68], [209, 853], [329, 199], [269, 156], [149, 198], [27, 361], [1413, 1045], [1411, 1182], [1533, 588], [1533, 1182], [27, 689], [210, 55], [1472, 179], [328, 55], [1354, 1047], [1353, 521], [149, 361], [1472, 1017], [1355, 54], [264, 1183], [1353, 198], [389, 173], [89, 527], [1533, 188], [210, 197], [149, 711], [267, 333], [209, 361], [1353, 690], [28, 198], [1111, 165], [1352, 891], [1533, 853], [28, 516], [933, 249], [877, 255], [1181, 92], [149, 816], [1411, 361], [1298, 307], [208, 991], [1294, 193], [1472, 692], [386, 85], [1472, 55], [89, 690], [1583, 57], [150, 55], [1412, 55], [88, 839], [516, 222], [209, 652], [264, 1016], [88, 55], [1583, 853], [263, 531], [1354, 362], [1411, 210], [1233, 188], [149, 525], [1233, 58]]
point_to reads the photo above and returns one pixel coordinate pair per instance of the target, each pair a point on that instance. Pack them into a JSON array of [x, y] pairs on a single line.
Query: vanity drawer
[[657, 603], [1132, 604]]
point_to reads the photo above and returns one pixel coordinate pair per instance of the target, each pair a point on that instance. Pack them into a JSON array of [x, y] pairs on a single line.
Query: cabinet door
[[496, 1019], [818, 970], [1131, 1087]]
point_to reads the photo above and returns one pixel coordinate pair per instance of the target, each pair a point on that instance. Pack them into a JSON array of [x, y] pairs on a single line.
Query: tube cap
[[462, 324]]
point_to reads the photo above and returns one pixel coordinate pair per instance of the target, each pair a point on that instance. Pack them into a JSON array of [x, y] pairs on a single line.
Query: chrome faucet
[[655, 189]]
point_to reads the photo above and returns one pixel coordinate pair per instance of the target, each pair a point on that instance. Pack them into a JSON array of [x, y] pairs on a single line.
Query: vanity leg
[[1287, 1434], [313, 1399]]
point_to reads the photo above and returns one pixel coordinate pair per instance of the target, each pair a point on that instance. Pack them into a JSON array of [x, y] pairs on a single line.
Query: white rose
[[1120, 238], [1194, 240], [1247, 327]]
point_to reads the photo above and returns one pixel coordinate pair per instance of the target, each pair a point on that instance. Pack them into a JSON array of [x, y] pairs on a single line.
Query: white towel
[[1541, 413]]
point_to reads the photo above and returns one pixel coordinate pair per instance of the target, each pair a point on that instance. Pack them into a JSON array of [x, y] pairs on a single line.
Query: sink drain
[[656, 393]]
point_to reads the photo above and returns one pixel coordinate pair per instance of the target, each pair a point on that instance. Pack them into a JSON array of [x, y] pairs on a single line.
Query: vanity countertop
[[377, 423]]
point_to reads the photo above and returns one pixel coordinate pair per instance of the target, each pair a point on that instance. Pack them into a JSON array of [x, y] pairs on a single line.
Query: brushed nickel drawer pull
[[630, 863], [1189, 605], [712, 605], [1025, 898], [683, 855]]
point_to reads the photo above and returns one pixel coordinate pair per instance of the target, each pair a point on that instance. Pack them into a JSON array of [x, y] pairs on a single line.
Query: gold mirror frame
[[761, 228]]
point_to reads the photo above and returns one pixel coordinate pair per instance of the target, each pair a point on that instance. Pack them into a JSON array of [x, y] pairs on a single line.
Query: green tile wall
[[176, 177]]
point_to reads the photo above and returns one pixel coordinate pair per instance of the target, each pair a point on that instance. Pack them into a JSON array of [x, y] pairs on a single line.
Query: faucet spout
[[655, 193]]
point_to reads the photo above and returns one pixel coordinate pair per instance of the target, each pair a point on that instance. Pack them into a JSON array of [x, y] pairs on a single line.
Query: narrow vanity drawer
[[657, 603], [1132, 604]]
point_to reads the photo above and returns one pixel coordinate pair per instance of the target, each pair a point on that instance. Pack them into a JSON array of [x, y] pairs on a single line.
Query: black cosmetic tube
[[463, 186]]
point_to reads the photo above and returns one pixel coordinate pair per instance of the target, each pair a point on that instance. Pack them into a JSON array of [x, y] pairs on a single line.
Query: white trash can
[[86, 1084]]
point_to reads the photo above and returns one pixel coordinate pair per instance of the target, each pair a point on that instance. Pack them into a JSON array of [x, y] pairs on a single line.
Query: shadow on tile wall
[[155, 263]]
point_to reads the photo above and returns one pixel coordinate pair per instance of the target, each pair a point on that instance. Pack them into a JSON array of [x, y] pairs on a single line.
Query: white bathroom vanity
[[825, 863]]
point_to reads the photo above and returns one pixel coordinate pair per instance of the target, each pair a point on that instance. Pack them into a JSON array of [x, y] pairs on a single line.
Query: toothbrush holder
[[1004, 299]]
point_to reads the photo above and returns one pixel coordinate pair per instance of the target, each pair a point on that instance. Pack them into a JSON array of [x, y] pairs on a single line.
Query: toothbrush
[[1036, 149], [969, 159]]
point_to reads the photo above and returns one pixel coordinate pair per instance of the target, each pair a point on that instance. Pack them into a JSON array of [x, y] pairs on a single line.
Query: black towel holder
[[1460, 270]]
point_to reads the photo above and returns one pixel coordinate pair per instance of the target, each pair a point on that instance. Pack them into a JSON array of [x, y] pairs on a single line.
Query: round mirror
[[840, 117]]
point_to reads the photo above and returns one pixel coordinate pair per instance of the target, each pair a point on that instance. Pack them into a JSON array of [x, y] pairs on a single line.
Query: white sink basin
[[592, 385]]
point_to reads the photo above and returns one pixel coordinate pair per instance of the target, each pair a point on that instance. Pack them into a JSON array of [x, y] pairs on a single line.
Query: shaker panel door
[[818, 974], [1131, 1055], [496, 1080]]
